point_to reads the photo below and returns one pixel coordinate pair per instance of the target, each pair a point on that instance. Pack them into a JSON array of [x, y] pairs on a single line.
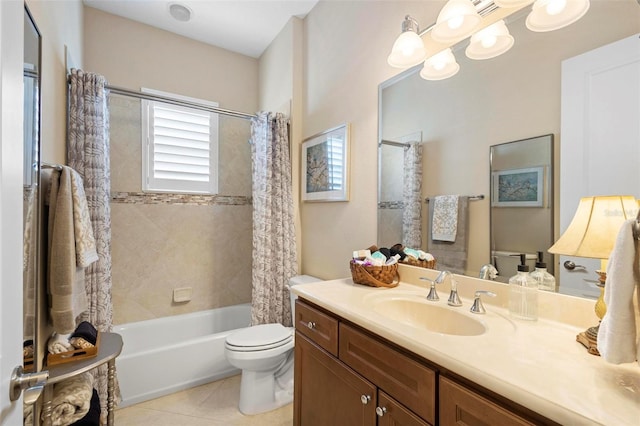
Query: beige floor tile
[[213, 404]]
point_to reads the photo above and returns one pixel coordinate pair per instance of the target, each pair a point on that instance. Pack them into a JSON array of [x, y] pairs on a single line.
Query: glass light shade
[[440, 66], [549, 15], [595, 226], [512, 3], [407, 51], [457, 20], [490, 42]]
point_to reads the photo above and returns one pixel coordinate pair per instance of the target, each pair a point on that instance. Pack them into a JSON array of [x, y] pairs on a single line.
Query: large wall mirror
[[31, 193], [489, 103]]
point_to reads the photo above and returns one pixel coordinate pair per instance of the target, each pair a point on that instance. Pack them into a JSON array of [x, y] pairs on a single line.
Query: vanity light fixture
[[408, 49], [440, 66], [549, 15], [490, 42], [180, 12], [457, 20]]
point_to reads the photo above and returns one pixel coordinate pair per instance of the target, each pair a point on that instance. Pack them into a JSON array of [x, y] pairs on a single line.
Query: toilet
[[264, 353]]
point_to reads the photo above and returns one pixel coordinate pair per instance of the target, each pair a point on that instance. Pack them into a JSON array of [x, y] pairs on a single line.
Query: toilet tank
[[299, 279]]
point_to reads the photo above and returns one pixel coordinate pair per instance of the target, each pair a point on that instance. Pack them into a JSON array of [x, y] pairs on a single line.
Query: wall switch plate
[[182, 294]]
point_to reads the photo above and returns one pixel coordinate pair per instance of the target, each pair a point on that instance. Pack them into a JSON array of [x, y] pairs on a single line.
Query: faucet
[[453, 300], [488, 272], [433, 294], [478, 307]]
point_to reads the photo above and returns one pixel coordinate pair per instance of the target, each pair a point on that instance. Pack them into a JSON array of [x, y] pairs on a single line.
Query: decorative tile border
[[391, 205], [186, 199]]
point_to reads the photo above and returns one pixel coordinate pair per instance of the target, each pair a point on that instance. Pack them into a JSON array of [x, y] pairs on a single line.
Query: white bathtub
[[169, 354]]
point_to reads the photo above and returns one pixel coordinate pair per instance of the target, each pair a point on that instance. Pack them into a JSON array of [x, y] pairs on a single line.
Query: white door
[[599, 140], [11, 111]]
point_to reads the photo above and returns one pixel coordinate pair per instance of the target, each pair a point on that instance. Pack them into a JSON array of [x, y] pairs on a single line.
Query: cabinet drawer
[[398, 375], [462, 406], [317, 326], [395, 414]]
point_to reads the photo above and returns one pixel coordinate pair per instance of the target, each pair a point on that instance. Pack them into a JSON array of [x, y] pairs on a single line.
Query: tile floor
[[212, 404]]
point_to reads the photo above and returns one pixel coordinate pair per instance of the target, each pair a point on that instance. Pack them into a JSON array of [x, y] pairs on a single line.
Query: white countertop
[[537, 364]]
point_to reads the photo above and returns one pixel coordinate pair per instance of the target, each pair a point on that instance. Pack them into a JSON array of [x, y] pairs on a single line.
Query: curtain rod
[[147, 96], [126, 92], [471, 197], [392, 143]]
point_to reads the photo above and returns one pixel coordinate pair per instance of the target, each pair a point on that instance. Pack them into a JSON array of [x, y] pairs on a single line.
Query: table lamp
[[592, 233]]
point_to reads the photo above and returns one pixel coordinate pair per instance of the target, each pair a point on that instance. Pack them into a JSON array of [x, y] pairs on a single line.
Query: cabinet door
[[391, 413], [327, 392], [461, 406]]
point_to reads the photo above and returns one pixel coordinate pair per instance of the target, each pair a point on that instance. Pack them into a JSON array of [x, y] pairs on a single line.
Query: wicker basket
[[375, 276], [429, 264]]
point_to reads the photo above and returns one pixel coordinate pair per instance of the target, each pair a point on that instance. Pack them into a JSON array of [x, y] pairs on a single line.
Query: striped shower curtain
[[88, 154], [274, 240]]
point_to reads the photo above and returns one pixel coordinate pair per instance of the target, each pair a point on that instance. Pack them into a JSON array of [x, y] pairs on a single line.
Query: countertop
[[537, 364]]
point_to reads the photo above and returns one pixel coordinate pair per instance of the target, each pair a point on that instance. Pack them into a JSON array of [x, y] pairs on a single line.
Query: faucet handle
[[478, 307], [433, 294]]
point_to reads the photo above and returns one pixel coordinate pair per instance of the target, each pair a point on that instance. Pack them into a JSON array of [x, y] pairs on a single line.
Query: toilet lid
[[271, 335]]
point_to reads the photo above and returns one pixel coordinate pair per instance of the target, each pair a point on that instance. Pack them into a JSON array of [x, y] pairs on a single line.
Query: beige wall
[[346, 46], [162, 244]]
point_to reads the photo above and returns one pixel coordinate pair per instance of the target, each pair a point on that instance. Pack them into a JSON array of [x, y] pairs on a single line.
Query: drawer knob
[[381, 411], [365, 399], [311, 325]]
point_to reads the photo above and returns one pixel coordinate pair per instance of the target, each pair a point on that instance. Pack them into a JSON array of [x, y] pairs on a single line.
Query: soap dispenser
[[545, 280], [523, 293]]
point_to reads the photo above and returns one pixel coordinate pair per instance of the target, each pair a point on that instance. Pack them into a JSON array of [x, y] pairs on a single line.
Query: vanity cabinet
[[345, 375]]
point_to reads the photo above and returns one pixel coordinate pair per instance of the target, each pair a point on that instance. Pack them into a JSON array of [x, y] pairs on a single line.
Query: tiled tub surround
[[164, 241], [539, 365]]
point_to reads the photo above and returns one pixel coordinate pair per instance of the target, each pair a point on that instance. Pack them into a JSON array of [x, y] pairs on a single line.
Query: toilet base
[[261, 392]]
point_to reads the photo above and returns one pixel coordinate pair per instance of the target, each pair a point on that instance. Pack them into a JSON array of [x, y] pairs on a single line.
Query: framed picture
[[518, 187], [325, 166]]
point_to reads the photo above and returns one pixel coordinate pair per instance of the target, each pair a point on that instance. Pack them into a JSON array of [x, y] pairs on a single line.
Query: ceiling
[[242, 26]]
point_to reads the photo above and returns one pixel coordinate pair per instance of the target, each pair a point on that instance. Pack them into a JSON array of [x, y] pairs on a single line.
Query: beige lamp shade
[[595, 226]]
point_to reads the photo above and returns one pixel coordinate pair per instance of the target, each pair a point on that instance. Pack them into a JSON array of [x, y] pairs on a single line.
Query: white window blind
[[180, 148]]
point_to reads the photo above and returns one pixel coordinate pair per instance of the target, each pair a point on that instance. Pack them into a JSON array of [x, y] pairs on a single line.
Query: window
[[179, 147]]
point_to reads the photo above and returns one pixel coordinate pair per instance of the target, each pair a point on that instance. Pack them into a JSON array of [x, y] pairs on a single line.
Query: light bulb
[[555, 7], [455, 22], [489, 41]]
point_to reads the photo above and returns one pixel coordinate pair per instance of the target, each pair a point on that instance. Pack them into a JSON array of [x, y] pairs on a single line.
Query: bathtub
[[169, 354]]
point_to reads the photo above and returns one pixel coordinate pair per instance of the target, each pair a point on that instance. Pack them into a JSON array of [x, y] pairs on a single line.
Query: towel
[[29, 268], [71, 399], [92, 418], [71, 249], [451, 256], [617, 334], [444, 223]]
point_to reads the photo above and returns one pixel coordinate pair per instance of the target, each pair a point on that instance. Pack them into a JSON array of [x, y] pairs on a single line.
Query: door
[[599, 141], [11, 112], [333, 393]]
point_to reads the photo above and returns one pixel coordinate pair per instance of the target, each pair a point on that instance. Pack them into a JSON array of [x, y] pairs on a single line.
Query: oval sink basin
[[427, 316]]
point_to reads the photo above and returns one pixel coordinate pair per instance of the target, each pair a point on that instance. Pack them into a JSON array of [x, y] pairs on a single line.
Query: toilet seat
[[259, 337]]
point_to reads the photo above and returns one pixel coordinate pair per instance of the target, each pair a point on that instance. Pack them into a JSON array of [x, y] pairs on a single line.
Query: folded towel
[[444, 225], [71, 399], [617, 334], [71, 248], [59, 343], [92, 418], [85, 331]]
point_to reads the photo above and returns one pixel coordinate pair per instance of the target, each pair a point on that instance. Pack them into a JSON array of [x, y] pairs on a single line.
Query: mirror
[[512, 97], [31, 146], [521, 204]]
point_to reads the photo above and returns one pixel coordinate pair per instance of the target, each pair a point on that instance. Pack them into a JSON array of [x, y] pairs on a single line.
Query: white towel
[[617, 335], [444, 226]]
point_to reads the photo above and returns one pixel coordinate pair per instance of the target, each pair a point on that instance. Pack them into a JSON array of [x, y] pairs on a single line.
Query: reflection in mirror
[[31, 145], [511, 97], [521, 204]]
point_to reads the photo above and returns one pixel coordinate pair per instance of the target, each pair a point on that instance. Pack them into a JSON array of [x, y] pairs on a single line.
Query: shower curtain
[[274, 240], [88, 154], [411, 196]]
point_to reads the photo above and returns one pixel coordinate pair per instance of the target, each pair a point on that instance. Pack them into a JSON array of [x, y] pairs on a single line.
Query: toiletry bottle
[[545, 280], [523, 293]]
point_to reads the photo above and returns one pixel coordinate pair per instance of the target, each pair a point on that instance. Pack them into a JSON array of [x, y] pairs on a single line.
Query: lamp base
[[589, 339]]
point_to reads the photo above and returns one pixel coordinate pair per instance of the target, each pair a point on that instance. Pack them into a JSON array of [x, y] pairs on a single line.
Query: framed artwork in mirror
[[325, 166], [518, 187]]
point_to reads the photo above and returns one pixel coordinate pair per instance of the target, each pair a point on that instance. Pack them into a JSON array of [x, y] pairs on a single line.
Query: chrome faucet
[[453, 300], [478, 307], [488, 272], [433, 294]]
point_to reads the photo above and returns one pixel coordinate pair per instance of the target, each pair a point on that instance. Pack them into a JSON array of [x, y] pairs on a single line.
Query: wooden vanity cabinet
[[347, 376]]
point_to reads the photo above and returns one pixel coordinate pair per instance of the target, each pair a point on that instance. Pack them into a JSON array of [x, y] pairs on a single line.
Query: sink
[[425, 315]]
